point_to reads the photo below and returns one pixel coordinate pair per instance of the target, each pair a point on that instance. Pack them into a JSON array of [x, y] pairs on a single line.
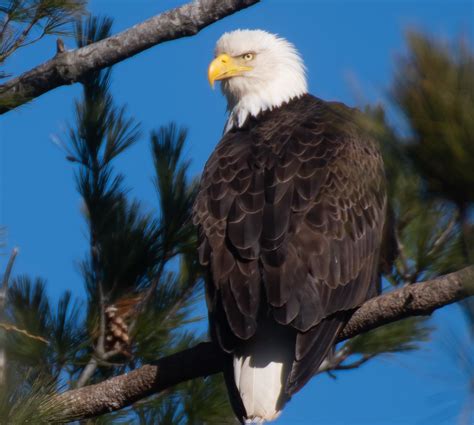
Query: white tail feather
[[260, 372]]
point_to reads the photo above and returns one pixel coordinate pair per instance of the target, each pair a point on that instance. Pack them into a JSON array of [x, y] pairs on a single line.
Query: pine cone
[[116, 334]]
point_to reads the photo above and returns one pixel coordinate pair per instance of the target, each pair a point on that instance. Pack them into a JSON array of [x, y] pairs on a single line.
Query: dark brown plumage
[[290, 215]]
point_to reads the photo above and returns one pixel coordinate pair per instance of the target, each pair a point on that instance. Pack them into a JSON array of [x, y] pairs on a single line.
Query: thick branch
[[69, 67], [205, 359], [120, 391], [419, 299]]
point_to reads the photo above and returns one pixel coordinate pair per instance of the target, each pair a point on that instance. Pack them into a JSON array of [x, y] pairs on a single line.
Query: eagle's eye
[[247, 56]]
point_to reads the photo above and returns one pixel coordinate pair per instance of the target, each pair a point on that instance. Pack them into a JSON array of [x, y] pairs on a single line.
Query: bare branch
[[332, 362], [87, 372], [444, 235], [337, 362], [402, 257], [8, 270], [149, 293], [206, 359], [12, 328], [69, 67], [354, 365], [99, 347]]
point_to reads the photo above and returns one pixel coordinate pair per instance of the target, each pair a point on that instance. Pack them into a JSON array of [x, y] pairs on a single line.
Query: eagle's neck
[[255, 96]]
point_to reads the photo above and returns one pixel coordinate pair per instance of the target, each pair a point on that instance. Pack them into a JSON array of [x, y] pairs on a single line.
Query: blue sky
[[350, 48]]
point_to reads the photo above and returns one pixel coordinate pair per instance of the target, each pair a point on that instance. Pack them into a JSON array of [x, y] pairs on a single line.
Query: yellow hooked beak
[[225, 66]]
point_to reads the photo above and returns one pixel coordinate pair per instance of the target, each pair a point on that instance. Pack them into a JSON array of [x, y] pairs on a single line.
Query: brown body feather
[[290, 216]]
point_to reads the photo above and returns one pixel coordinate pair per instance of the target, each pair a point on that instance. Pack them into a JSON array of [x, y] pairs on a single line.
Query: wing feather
[[290, 214]]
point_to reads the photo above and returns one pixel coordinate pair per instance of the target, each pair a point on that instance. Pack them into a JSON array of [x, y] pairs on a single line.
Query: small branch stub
[[60, 46]]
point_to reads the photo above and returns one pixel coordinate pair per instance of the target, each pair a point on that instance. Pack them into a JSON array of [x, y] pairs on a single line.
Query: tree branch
[[19, 42], [69, 67], [419, 299], [354, 365], [6, 275], [444, 235], [206, 359]]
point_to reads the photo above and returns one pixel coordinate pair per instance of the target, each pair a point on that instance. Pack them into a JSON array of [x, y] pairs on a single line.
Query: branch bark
[[206, 359], [69, 67]]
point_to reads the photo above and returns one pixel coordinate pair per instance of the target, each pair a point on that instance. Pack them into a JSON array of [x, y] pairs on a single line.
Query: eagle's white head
[[259, 71]]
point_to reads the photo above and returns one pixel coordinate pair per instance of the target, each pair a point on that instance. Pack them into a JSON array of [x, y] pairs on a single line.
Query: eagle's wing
[[228, 212], [296, 203]]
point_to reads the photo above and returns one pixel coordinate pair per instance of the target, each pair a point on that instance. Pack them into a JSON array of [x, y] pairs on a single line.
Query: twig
[[151, 289], [19, 41], [10, 327], [100, 346], [354, 365], [99, 354], [182, 300], [5, 25], [8, 270], [149, 292], [331, 362], [405, 273], [336, 362], [442, 238], [87, 372]]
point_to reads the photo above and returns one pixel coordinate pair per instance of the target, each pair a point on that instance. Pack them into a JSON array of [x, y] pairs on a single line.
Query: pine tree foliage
[[28, 308], [434, 87], [141, 274], [138, 302], [24, 22], [38, 347], [429, 182], [28, 402], [396, 337], [204, 402]]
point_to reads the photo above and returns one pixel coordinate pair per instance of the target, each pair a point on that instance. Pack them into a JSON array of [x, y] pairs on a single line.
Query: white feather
[[260, 372], [278, 74]]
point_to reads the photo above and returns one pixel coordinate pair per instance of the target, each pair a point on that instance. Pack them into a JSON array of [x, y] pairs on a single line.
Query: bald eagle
[[290, 215]]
